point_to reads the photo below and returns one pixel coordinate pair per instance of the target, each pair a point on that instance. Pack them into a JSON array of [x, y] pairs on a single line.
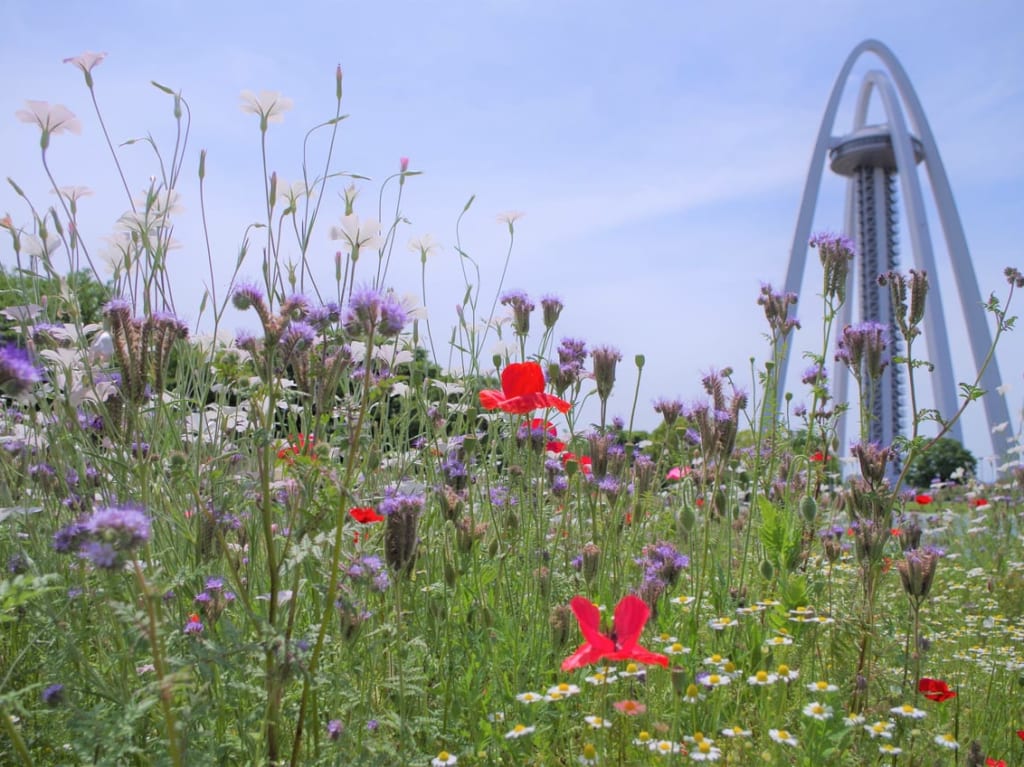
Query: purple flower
[[393, 316], [100, 554], [17, 373], [370, 311], [334, 729], [552, 306], [53, 695], [194, 625], [69, 538], [125, 526], [215, 583], [670, 409], [247, 294], [521, 308]]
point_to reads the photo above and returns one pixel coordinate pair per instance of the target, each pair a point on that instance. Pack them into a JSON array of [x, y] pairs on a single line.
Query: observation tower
[[881, 163]]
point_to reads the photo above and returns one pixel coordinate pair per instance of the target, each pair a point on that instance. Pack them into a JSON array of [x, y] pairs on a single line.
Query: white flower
[[34, 246], [597, 722], [947, 740], [86, 61], [529, 697], [1003, 388], [880, 729], [889, 749], [736, 732], [519, 731], [782, 736], [425, 245], [564, 689], [444, 759], [269, 105], [510, 217], [818, 711], [664, 747], [705, 752], [73, 193], [358, 234], [908, 711], [821, 686], [51, 119]]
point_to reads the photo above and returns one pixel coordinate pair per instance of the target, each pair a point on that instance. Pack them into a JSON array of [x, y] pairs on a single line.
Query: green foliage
[[941, 461], [77, 297]]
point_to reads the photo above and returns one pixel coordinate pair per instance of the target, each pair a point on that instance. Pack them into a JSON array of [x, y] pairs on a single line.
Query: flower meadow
[[338, 539]]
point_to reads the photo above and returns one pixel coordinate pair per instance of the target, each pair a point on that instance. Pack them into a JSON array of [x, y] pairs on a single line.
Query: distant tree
[[60, 299], [940, 462]]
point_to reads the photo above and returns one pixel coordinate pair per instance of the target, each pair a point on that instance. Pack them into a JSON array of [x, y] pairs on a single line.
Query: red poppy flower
[[990, 762], [621, 644], [365, 516], [304, 447], [585, 464], [923, 499], [979, 502], [1020, 734], [522, 391], [935, 689], [818, 457], [553, 445]]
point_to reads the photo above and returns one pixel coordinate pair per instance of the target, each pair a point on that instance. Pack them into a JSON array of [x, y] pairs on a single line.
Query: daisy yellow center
[[908, 709], [599, 677], [664, 746], [443, 756], [631, 668], [783, 670], [817, 708], [783, 735], [691, 691], [716, 658], [556, 695], [821, 685], [714, 679], [644, 735], [563, 687], [705, 747], [762, 676], [676, 647], [879, 727], [948, 738], [730, 667], [519, 727], [589, 752]]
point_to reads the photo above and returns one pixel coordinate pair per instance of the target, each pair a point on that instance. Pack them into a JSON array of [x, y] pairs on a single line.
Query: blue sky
[[657, 149]]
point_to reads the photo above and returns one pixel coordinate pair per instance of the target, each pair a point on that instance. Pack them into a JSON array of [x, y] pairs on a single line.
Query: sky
[[657, 150]]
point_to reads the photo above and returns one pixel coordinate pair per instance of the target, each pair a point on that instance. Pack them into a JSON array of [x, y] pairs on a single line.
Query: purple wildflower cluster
[[17, 371], [106, 537], [572, 359], [862, 348], [368, 570], [521, 306], [371, 312], [662, 564], [214, 598]]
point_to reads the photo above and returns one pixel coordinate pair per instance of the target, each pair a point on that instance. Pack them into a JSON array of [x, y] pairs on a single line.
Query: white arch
[[979, 337]]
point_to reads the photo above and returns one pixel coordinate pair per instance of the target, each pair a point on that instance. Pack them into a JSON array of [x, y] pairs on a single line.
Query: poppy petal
[[491, 399], [522, 378], [640, 655], [631, 615], [589, 618]]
